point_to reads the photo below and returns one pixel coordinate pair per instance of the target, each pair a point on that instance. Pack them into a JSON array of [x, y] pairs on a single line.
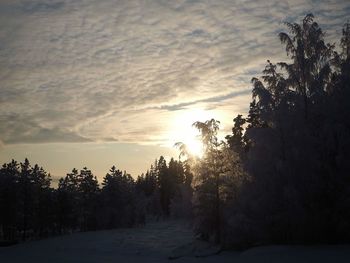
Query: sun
[[181, 130], [194, 147]]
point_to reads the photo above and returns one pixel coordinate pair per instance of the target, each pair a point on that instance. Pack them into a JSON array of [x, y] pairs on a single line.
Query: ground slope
[[156, 242]]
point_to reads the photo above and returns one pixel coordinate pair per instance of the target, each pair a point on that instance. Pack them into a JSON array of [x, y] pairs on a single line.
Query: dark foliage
[[31, 208], [290, 178], [166, 189]]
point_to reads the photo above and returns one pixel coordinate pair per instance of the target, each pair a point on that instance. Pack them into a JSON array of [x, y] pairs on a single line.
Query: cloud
[[17, 129], [93, 70], [220, 98], [41, 6]]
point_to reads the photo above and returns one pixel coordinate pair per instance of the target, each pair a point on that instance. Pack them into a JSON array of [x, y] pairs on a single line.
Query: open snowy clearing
[[156, 242]]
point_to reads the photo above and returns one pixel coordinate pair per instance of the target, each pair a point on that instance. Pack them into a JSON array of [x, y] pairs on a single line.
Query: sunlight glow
[[194, 146], [181, 130]]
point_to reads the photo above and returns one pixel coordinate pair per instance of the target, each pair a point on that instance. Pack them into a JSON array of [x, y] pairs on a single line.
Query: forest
[[280, 177], [32, 209]]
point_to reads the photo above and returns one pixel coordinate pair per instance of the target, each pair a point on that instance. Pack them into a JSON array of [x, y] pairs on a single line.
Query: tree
[[293, 134], [43, 199], [236, 141], [118, 195], [9, 174], [68, 202], [208, 182], [148, 197], [88, 190], [310, 69], [78, 197], [164, 184], [282, 176]]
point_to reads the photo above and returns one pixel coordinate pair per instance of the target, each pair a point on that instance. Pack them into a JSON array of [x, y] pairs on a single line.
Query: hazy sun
[[194, 146], [183, 131]]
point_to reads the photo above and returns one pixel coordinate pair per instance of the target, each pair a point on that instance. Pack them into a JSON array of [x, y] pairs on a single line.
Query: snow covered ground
[[156, 242]]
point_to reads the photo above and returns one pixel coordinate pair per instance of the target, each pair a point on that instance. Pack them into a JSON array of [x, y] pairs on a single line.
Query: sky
[[98, 83]]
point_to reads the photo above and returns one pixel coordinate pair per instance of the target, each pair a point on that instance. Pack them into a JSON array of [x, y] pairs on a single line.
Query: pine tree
[[118, 195], [9, 175]]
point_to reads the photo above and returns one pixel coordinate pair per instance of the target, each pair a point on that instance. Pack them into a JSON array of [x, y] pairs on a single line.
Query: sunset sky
[[98, 83]]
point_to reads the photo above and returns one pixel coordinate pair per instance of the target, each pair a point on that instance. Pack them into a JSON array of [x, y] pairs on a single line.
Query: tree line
[[31, 208], [282, 175]]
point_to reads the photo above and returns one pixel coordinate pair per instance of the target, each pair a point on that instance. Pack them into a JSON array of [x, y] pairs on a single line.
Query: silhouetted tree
[[9, 174], [282, 178], [119, 200], [68, 202], [88, 190]]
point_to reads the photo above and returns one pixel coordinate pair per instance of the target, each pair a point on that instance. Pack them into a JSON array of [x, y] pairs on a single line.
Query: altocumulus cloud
[[87, 70]]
